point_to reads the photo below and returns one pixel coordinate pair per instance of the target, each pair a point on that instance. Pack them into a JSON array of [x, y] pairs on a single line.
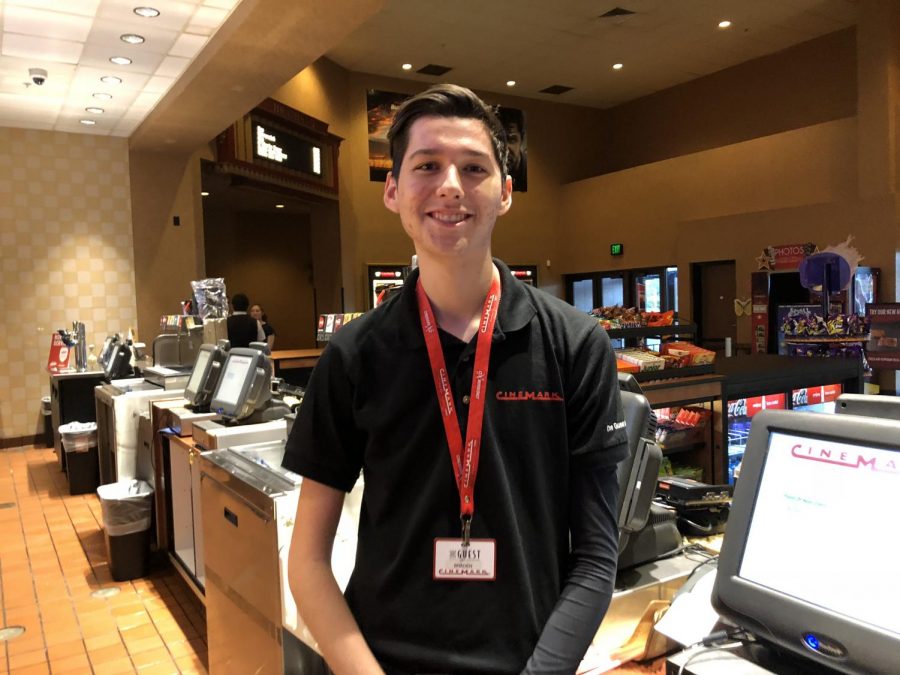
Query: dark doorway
[[713, 300]]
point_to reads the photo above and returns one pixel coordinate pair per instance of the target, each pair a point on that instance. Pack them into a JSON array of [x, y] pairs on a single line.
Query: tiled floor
[[53, 557]]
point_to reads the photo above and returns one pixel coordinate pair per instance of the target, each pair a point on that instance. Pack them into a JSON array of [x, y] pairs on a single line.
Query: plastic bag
[[78, 436], [210, 297], [127, 506]]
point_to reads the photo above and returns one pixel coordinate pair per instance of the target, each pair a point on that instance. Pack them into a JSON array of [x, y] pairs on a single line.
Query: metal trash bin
[[79, 441], [47, 414], [127, 508]]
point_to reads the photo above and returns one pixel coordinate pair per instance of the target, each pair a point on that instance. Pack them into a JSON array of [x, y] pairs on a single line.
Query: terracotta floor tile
[[166, 667], [139, 632], [151, 656], [17, 661], [191, 648], [31, 641], [144, 644], [78, 663], [112, 653], [117, 667], [36, 669], [60, 637], [65, 650], [107, 639]]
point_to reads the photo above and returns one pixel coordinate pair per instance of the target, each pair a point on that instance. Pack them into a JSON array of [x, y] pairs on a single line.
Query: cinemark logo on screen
[[845, 458]]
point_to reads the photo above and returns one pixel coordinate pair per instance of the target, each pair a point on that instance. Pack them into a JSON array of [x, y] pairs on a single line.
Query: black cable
[[710, 644]]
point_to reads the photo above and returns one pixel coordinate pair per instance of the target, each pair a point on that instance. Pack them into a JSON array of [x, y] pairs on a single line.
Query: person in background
[[486, 418], [256, 311], [243, 328]]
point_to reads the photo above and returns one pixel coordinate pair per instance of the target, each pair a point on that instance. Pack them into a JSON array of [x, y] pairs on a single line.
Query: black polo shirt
[[553, 404]]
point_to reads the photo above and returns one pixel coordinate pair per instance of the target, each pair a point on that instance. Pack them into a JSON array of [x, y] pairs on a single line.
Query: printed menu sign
[[59, 355], [883, 347]]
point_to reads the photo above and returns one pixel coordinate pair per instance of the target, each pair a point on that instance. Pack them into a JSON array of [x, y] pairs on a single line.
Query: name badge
[[455, 562]]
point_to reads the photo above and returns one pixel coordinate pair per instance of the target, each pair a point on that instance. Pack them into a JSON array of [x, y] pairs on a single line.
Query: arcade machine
[[383, 280]]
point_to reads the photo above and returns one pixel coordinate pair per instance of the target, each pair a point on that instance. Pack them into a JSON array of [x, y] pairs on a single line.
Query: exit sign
[[616, 249]]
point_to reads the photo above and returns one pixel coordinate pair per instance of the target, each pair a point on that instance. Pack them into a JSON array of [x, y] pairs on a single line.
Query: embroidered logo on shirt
[[544, 396]]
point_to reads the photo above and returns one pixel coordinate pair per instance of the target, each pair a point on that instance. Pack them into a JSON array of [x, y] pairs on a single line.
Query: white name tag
[[455, 562]]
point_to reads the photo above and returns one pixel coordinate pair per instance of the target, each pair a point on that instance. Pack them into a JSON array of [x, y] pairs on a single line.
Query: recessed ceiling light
[[406, 66], [88, 123], [618, 66], [102, 96], [279, 206], [510, 83], [725, 24], [95, 111], [111, 79], [204, 194], [132, 38], [147, 12], [120, 60]]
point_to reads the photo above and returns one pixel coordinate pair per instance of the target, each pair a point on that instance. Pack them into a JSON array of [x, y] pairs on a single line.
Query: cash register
[[809, 560]]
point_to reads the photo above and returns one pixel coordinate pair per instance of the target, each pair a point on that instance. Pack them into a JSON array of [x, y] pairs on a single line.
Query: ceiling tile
[[82, 7], [41, 50], [44, 23], [188, 45]]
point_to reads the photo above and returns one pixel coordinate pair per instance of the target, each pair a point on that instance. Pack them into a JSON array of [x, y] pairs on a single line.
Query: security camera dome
[[38, 75]]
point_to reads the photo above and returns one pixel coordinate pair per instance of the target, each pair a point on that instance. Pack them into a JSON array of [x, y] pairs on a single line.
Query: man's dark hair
[[240, 302], [444, 100]]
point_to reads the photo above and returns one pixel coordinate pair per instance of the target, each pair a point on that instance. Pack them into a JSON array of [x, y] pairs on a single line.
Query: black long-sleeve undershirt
[[589, 586]]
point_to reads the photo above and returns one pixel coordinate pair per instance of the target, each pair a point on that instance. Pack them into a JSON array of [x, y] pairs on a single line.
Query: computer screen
[[234, 381], [810, 554], [106, 350], [199, 373]]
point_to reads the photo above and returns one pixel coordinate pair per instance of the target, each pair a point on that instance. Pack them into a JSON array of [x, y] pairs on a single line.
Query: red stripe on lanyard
[[464, 460]]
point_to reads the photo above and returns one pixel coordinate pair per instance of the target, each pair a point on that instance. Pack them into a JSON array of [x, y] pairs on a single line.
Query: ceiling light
[[132, 38], [94, 111], [725, 24], [204, 194], [279, 206], [88, 123], [510, 83], [102, 96], [111, 79], [406, 66], [146, 12], [618, 66], [120, 60]]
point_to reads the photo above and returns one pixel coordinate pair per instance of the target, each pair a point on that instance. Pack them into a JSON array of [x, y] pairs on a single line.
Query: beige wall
[[562, 145], [729, 203], [803, 85], [167, 257], [66, 243]]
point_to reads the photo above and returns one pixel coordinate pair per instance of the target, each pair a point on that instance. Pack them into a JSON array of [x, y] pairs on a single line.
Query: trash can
[[79, 441], [47, 414], [127, 507]]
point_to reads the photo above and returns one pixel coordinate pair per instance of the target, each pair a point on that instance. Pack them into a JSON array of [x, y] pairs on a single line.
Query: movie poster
[[381, 106]]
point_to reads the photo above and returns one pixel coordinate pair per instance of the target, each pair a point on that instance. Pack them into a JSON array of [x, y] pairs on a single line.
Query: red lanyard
[[464, 460]]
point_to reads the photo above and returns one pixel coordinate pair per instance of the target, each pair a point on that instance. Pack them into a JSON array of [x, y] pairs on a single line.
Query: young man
[[486, 419]]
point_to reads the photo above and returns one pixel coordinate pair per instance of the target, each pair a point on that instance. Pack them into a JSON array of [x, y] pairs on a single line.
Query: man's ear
[[506, 195], [390, 193]]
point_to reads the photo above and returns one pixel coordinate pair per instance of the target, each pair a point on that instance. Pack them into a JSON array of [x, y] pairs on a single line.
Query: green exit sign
[[616, 249]]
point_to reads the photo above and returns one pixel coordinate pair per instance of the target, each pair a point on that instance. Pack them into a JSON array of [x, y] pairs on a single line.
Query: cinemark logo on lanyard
[[464, 458]]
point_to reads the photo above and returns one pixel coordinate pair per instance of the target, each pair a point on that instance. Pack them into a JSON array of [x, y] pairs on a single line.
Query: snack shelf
[[824, 339], [652, 331], [673, 373]]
